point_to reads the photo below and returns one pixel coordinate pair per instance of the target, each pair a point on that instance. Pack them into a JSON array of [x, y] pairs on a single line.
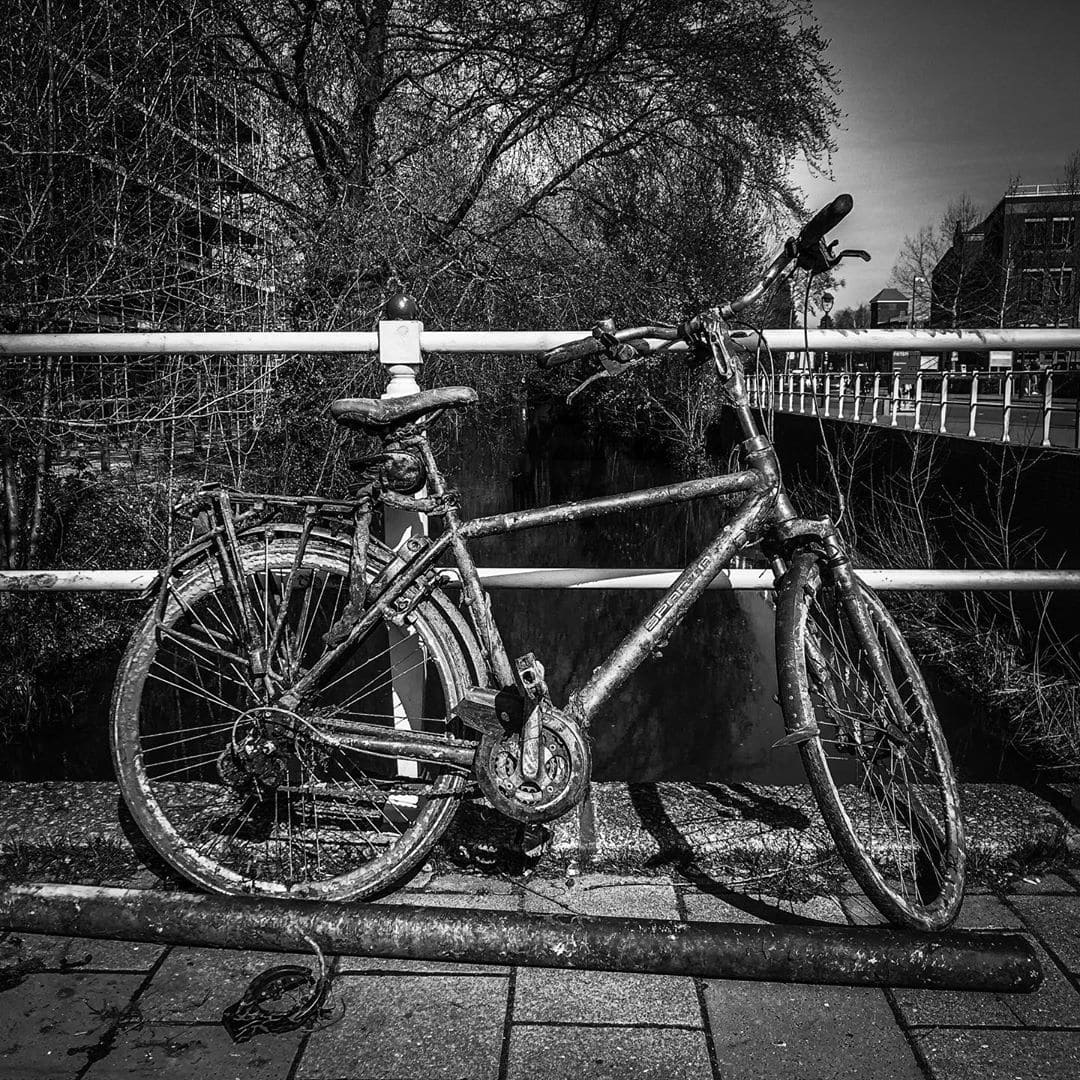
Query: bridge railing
[[1027, 407], [400, 345]]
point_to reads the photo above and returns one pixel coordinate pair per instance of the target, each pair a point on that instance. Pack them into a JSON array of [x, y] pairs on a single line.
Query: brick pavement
[[113, 1009]]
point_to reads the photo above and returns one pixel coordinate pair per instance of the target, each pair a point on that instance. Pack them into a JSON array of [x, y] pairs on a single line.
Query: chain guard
[[566, 764]]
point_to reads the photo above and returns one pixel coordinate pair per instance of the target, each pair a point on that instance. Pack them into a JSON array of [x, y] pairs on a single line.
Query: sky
[[941, 98]]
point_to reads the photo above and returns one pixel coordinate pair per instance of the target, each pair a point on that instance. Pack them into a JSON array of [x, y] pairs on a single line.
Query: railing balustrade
[[1014, 406]]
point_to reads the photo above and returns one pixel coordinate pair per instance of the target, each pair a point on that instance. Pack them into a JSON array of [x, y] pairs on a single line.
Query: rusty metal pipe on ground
[[836, 955]]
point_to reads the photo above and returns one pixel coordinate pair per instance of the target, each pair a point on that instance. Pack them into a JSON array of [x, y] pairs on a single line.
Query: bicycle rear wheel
[[878, 763], [241, 796]]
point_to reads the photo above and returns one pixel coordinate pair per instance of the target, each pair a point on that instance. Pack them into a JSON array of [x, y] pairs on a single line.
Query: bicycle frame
[[760, 488], [764, 503]]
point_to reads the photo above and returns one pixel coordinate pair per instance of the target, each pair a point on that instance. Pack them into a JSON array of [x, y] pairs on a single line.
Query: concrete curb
[[738, 831]]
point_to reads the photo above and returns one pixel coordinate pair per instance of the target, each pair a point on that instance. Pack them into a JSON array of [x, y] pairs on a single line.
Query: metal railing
[[1034, 408], [400, 346], [514, 577]]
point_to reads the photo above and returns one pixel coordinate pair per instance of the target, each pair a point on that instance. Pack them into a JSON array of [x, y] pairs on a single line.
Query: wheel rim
[[888, 770], [242, 797]]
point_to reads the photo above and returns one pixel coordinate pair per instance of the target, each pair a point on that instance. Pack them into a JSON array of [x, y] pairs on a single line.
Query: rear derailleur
[[264, 743]]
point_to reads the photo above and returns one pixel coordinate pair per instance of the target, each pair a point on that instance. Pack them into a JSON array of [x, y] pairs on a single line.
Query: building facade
[[1016, 268]]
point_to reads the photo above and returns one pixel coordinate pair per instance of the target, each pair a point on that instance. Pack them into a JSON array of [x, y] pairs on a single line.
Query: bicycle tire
[[375, 826], [899, 830]]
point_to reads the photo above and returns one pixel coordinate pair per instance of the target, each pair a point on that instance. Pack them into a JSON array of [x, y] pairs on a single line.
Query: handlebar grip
[[825, 220], [572, 350]]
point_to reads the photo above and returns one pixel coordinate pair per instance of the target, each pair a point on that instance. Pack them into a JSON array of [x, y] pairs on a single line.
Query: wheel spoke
[[880, 744], [244, 795]]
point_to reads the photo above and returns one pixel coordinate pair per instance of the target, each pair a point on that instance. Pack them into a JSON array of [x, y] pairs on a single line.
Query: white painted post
[[828, 391], [973, 403], [918, 400], [802, 398], [843, 391], [1048, 405], [858, 396], [944, 403], [1006, 405], [399, 353], [895, 398], [875, 406]]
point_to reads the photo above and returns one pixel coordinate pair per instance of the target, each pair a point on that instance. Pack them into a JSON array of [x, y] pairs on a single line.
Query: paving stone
[[1036, 886], [1055, 1004], [198, 984], [478, 901], [50, 1022], [400, 1027], [605, 894], [1057, 920], [978, 912], [474, 884], [187, 1051], [89, 954], [1001, 1055], [781, 1030], [701, 906], [567, 1052], [604, 997]]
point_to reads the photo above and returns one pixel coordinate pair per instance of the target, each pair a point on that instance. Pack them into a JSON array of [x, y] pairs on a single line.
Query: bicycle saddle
[[377, 414]]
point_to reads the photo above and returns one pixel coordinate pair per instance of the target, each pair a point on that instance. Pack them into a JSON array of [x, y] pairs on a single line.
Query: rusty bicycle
[[303, 708]]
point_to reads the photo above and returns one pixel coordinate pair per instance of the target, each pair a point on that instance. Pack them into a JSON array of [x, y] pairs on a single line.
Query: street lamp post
[[827, 300], [915, 278]]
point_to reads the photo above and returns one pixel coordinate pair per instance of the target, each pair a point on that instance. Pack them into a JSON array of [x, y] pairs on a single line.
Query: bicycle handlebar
[[575, 350], [807, 245], [825, 220]]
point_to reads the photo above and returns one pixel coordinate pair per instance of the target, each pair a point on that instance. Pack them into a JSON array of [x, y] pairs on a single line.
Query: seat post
[[399, 353]]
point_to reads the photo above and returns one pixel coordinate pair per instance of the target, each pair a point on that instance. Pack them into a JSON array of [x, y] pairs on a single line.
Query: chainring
[[566, 764]]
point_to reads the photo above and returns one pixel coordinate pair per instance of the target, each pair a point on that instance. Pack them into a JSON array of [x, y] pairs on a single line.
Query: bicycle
[[301, 710]]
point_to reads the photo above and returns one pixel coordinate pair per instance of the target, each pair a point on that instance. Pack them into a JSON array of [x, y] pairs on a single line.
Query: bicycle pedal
[[794, 738]]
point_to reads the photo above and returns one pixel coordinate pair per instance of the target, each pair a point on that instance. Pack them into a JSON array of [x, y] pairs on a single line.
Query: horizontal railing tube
[[574, 577], [831, 955], [526, 341], [728, 484]]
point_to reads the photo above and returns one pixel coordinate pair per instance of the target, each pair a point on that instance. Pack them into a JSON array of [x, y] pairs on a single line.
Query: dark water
[[705, 710]]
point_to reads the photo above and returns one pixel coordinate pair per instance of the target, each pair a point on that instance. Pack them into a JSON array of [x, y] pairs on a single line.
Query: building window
[[1035, 232], [1061, 232], [1031, 286]]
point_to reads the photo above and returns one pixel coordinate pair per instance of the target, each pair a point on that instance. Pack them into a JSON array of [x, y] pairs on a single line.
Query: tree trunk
[[12, 517]]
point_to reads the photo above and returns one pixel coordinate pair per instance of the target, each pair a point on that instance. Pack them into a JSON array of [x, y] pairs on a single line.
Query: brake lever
[[851, 253], [615, 357]]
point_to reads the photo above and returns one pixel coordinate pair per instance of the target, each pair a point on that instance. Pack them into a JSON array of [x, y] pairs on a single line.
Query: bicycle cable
[[842, 502]]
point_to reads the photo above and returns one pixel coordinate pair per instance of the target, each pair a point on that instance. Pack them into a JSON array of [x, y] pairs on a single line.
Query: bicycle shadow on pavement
[[747, 845]]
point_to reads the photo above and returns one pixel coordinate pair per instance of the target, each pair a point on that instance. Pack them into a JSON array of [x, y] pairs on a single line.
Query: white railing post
[[858, 396], [828, 392], [875, 405], [843, 391], [1006, 405], [973, 404], [895, 398], [918, 401], [399, 353], [1048, 405], [943, 404], [802, 396]]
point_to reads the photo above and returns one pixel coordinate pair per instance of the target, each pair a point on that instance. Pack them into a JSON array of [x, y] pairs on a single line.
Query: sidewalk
[[99, 1009], [114, 1009]]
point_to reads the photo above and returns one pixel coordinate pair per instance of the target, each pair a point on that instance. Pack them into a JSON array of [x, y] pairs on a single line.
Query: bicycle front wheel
[[241, 796], [872, 746]]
